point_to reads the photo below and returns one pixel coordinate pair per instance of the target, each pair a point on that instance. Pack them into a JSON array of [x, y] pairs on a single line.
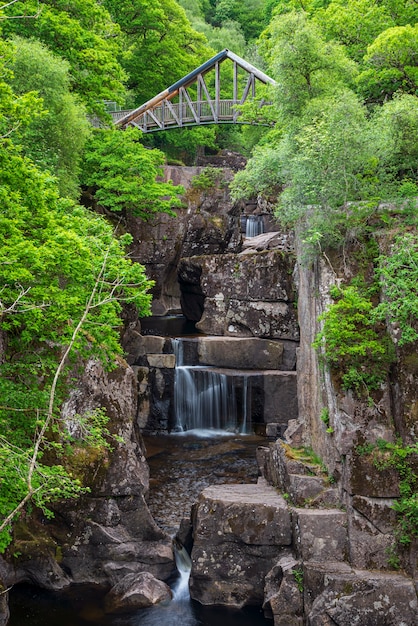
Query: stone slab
[[254, 514], [321, 534], [241, 353]]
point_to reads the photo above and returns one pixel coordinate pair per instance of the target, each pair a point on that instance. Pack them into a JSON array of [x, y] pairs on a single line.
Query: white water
[[184, 566], [206, 399], [254, 226]]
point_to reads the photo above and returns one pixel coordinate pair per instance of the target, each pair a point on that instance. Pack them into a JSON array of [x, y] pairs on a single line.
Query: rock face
[[109, 533], [239, 532], [115, 535], [308, 574], [244, 295], [341, 565], [208, 223]]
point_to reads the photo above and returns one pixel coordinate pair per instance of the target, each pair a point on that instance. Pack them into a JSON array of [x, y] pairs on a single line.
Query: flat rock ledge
[[240, 531]]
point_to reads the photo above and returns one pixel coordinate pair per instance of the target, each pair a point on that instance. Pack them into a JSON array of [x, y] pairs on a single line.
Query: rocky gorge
[[313, 540]]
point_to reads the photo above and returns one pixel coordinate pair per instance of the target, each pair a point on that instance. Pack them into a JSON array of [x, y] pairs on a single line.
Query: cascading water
[[184, 566], [205, 398], [254, 226]]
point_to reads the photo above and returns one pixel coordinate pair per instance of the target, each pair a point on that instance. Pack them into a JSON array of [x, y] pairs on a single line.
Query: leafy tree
[[55, 139], [391, 64], [121, 174], [81, 32], [16, 112], [265, 171], [183, 144], [160, 42], [249, 14], [329, 158], [393, 135], [304, 65], [402, 13], [355, 24], [51, 253], [54, 258], [228, 35]]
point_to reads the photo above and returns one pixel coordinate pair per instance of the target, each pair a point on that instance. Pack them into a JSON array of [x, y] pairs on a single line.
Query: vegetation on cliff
[[342, 140]]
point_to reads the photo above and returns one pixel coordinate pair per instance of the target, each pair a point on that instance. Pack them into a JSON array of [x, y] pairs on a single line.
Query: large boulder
[[243, 295], [136, 591], [240, 532]]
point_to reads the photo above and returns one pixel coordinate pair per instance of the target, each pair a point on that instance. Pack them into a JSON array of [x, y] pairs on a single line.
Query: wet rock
[[240, 531], [136, 591]]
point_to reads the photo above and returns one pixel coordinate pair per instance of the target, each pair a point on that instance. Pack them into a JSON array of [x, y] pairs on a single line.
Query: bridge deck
[[178, 114]]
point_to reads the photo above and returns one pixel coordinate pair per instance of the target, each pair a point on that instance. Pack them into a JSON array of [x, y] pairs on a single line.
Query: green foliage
[[228, 35], [391, 64], [394, 129], [183, 143], [81, 32], [15, 112], [398, 273], [55, 139], [264, 172], [207, 179], [303, 63], [298, 574], [355, 24], [403, 458], [324, 417], [356, 350], [51, 253], [159, 40], [49, 483], [122, 174], [249, 14], [328, 158]]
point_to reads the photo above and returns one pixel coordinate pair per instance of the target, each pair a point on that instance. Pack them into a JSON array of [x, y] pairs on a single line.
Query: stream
[[181, 465]]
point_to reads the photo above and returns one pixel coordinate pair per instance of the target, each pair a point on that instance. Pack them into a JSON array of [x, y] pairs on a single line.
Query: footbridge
[[199, 97]]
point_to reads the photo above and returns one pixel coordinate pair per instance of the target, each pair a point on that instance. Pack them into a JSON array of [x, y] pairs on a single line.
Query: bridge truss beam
[[194, 100]]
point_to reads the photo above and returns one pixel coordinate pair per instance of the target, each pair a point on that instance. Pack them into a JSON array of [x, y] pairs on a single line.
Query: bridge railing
[[184, 113]]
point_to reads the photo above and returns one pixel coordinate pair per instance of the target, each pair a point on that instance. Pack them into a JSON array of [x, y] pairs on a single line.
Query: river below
[[181, 466]]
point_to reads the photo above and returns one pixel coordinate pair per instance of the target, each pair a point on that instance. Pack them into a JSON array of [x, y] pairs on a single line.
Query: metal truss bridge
[[196, 99]]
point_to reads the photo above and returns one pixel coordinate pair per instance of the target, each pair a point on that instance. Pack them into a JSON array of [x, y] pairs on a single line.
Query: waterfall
[[254, 225], [206, 398], [184, 566]]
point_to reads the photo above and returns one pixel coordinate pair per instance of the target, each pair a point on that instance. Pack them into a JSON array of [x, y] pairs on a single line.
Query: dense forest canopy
[[344, 129]]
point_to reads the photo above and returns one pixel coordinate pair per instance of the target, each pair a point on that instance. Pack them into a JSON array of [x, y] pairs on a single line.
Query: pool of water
[[181, 466], [83, 606]]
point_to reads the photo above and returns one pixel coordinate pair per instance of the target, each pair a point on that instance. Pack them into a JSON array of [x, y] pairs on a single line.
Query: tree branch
[[49, 417]]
